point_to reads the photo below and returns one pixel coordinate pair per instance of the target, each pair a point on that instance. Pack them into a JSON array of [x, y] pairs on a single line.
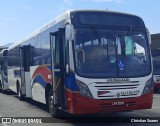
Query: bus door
[[25, 70], [58, 67]]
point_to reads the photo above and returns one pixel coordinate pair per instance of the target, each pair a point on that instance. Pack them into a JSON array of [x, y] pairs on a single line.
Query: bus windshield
[[111, 53], [156, 61]]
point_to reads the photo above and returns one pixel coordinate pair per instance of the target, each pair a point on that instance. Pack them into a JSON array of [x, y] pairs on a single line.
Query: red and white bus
[[83, 62]]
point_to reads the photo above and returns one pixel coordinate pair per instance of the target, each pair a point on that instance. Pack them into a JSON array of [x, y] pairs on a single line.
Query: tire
[[54, 111], [19, 92], [1, 89]]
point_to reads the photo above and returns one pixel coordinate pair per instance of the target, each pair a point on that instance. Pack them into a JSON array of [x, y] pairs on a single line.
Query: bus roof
[[64, 16], [108, 11]]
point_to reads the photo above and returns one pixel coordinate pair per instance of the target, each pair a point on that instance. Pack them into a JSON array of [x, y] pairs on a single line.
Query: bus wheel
[[2, 89], [54, 111], [20, 96]]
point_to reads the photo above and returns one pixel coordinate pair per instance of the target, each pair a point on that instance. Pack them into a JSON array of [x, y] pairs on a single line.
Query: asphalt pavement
[[30, 111]]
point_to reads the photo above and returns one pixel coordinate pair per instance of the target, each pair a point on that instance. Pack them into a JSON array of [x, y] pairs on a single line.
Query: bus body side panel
[[13, 78], [5, 82], [41, 76]]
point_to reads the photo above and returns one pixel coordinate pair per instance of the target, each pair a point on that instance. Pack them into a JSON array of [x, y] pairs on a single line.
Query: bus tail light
[[84, 90], [147, 86]]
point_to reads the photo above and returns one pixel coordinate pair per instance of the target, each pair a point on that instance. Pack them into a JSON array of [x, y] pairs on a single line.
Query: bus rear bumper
[[77, 104]]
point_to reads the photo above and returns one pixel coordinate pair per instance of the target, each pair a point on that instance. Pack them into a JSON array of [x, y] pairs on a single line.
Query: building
[[5, 46], [155, 38], [2, 47]]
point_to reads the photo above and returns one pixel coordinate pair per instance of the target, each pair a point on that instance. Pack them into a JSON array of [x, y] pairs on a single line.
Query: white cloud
[[26, 8], [62, 8], [1, 24], [68, 2], [11, 18], [117, 1], [66, 5]]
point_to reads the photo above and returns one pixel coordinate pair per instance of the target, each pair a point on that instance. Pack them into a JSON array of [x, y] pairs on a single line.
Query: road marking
[[142, 114], [4, 124]]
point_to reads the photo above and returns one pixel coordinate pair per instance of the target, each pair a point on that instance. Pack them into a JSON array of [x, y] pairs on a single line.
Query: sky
[[18, 18]]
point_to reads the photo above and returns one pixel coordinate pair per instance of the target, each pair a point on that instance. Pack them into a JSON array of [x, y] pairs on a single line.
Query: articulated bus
[[3, 71], [84, 62]]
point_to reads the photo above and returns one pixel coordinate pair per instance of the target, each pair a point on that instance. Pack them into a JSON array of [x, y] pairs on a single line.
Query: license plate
[[118, 103]]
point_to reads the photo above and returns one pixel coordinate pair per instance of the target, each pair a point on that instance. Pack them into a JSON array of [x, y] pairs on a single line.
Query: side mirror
[[69, 31]]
